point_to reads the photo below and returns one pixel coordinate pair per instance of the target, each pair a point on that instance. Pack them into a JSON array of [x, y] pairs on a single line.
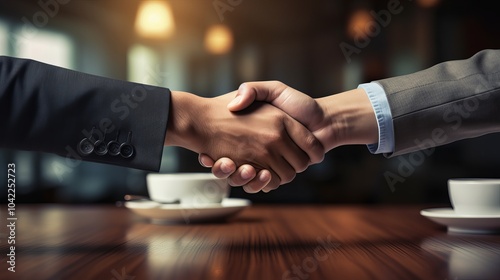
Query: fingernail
[[246, 174], [226, 168], [235, 101], [264, 177], [202, 163]]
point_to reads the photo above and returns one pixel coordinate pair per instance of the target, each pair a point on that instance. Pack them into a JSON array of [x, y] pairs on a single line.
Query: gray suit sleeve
[[450, 101], [50, 109]]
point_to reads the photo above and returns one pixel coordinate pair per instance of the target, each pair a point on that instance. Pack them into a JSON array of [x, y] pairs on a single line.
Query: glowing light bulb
[[218, 39], [155, 20]]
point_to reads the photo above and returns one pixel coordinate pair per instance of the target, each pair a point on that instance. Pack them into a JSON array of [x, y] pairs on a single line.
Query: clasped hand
[[265, 132], [267, 145], [297, 105]]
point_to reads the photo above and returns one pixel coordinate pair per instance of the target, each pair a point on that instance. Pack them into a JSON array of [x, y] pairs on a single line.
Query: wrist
[[184, 111], [349, 119]]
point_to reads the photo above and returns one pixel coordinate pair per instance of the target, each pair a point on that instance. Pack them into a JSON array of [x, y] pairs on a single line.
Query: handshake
[[263, 134]]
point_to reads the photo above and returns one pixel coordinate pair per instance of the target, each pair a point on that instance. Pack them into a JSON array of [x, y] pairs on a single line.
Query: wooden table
[[262, 242]]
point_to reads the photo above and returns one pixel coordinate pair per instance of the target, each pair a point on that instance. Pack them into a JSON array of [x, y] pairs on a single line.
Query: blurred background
[[209, 47]]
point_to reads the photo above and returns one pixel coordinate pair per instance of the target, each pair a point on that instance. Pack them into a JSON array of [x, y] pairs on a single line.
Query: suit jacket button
[[113, 148], [85, 147], [101, 148], [126, 150]]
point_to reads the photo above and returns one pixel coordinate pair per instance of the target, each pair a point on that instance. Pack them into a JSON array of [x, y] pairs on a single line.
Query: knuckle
[[314, 148], [270, 139], [272, 185], [274, 138], [277, 84], [278, 122], [302, 167], [259, 155], [287, 177]]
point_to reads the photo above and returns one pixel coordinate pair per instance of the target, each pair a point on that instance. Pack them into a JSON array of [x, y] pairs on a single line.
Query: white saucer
[[484, 224], [177, 213]]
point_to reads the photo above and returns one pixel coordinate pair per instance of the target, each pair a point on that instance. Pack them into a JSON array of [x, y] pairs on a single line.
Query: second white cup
[[475, 196]]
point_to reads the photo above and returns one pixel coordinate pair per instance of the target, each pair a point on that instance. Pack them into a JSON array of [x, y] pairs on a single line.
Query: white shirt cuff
[[382, 110]]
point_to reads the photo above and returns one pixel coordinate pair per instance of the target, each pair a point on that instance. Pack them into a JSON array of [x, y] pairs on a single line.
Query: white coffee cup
[[475, 196], [191, 189]]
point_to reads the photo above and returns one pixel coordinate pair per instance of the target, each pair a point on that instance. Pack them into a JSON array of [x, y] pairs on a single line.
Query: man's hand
[[340, 119], [261, 136], [298, 105]]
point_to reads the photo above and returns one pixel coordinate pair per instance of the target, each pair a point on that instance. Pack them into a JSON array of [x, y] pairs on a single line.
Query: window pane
[[3, 39], [142, 62], [49, 47]]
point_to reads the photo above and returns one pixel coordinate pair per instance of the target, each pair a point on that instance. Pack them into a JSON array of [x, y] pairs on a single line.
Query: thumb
[[244, 97], [205, 160], [268, 91]]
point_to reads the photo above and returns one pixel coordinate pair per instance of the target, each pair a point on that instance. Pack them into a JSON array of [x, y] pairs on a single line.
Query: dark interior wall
[[297, 42]]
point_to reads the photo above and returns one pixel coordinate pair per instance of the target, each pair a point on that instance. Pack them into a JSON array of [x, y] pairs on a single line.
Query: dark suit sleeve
[[52, 109], [448, 102]]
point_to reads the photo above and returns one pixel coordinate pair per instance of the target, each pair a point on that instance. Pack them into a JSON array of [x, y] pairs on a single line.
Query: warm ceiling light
[[358, 23], [154, 20], [218, 39], [428, 3]]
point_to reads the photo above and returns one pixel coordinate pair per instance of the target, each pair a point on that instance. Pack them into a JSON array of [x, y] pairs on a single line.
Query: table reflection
[[174, 254], [469, 256], [263, 242]]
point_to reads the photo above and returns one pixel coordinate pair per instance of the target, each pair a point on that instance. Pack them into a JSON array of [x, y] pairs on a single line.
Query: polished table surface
[[261, 242]]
